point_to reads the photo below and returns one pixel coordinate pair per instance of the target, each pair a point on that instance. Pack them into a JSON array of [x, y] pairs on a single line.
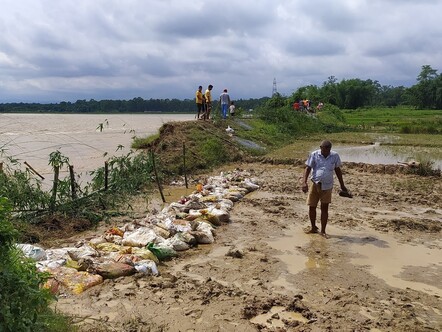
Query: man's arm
[[305, 178], [340, 178]]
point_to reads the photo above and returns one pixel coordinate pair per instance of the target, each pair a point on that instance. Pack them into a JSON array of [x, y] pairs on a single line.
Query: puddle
[[389, 262], [276, 316], [384, 257], [174, 193]]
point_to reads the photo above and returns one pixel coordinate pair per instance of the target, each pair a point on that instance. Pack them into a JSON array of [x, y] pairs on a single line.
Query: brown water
[[32, 137], [389, 154], [386, 257]]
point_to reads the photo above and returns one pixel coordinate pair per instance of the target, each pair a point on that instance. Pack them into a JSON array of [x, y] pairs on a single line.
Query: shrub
[[23, 303]]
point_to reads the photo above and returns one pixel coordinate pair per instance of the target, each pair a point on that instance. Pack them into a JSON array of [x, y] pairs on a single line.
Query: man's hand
[[305, 187]]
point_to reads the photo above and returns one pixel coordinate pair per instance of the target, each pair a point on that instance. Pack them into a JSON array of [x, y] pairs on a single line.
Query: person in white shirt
[[232, 108], [224, 99], [321, 164]]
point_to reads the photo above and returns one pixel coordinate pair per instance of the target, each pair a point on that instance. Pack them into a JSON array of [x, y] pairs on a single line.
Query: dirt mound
[[204, 143]]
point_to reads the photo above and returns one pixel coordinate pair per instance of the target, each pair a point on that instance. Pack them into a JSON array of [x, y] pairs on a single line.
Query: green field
[[399, 127], [399, 119]]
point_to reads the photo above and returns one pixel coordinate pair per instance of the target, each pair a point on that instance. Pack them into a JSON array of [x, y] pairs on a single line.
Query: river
[[86, 139]]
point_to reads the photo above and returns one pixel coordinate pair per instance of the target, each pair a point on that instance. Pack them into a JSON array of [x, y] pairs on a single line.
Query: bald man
[[321, 164]]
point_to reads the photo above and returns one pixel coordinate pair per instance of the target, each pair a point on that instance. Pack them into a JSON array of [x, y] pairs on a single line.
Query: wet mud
[[379, 270]]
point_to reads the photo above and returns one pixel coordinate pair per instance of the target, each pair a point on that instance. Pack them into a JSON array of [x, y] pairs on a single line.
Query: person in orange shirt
[[208, 96], [199, 101]]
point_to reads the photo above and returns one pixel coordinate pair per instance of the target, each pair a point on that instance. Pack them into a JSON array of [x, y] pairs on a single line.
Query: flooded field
[[389, 154], [372, 148]]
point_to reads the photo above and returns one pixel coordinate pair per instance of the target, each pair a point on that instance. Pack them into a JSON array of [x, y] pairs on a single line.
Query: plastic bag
[[82, 252], [140, 238], [147, 267], [177, 243], [162, 252], [31, 251]]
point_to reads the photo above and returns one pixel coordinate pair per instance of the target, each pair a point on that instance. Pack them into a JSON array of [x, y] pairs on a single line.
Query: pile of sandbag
[[138, 246]]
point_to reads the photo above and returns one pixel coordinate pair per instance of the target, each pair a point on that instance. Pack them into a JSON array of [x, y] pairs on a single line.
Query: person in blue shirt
[[224, 100], [321, 165]]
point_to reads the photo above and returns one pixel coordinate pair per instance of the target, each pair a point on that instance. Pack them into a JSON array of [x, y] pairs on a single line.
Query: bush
[[23, 303]]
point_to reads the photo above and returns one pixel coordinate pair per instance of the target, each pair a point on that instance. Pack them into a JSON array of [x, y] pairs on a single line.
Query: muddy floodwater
[[389, 154], [86, 139], [382, 254]]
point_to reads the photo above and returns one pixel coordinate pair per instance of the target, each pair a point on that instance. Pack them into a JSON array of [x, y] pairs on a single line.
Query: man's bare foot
[[312, 230], [324, 235]]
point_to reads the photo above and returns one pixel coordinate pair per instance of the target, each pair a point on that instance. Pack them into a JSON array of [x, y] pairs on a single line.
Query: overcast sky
[[65, 50]]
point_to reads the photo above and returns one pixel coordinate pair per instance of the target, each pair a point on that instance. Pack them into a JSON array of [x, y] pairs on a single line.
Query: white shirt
[[323, 168]]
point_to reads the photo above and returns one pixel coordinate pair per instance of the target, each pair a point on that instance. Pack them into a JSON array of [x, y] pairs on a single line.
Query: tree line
[[135, 105], [357, 93], [346, 94]]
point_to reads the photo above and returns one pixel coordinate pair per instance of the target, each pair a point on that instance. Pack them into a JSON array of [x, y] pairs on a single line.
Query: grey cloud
[[163, 49]]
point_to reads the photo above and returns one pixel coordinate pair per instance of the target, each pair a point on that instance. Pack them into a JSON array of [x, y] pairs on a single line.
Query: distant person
[[208, 96], [301, 105], [296, 106], [224, 100], [199, 101], [321, 163], [306, 104], [232, 108]]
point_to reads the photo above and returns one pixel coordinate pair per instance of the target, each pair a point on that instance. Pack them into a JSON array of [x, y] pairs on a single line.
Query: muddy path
[[380, 270]]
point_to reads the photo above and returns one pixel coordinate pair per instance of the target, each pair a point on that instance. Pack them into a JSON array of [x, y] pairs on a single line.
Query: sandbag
[[202, 237], [115, 231], [84, 251], [76, 282], [217, 216], [144, 253], [109, 247], [139, 238], [97, 240], [147, 267], [50, 264], [203, 233], [177, 243], [162, 252], [114, 270], [249, 185], [33, 252]]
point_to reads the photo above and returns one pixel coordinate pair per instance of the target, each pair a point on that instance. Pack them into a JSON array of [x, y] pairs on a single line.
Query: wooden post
[[33, 170], [156, 176], [54, 187], [184, 164], [106, 175], [1, 167], [73, 184]]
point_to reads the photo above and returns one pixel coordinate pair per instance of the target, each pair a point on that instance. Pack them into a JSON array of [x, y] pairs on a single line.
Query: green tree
[[427, 93]]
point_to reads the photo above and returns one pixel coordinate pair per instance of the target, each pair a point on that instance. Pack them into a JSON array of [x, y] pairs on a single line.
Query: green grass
[[400, 119], [139, 142]]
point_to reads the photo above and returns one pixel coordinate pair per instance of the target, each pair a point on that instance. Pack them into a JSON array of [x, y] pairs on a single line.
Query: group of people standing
[[305, 105], [204, 103]]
